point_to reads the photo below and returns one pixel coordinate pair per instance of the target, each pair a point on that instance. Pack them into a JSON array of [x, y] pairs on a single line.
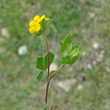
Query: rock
[[94, 62], [66, 84], [99, 59], [107, 104], [80, 87], [53, 66], [91, 15], [89, 66], [95, 45], [108, 69], [22, 50], [102, 52], [4, 32], [83, 53]]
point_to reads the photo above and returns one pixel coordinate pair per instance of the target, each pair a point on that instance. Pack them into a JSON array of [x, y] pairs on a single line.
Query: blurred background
[[82, 86]]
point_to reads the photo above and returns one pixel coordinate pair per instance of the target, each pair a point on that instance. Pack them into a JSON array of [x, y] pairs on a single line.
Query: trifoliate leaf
[[65, 44], [70, 54], [67, 40], [74, 59], [51, 58], [66, 60], [39, 76], [42, 63]]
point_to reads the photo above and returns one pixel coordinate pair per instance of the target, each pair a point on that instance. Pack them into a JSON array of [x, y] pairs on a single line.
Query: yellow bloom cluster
[[35, 23]]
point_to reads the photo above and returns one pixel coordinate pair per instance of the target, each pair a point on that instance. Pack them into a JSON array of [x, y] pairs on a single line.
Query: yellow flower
[[36, 18], [32, 30], [32, 23], [43, 17], [35, 24]]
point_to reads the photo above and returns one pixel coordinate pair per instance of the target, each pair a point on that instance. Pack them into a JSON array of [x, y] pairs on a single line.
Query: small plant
[[70, 53]]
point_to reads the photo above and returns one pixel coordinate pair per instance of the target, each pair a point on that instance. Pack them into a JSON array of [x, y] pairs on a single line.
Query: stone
[[95, 45], [4, 32], [89, 66], [80, 87], [66, 84], [83, 53], [91, 15], [22, 50]]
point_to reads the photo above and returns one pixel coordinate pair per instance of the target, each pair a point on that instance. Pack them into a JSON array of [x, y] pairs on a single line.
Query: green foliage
[[68, 60], [47, 78], [65, 19], [51, 58], [43, 24], [70, 54], [42, 63], [39, 76], [46, 106], [65, 44], [51, 73]]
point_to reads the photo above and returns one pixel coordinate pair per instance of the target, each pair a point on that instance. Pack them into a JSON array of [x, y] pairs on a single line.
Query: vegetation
[[88, 24]]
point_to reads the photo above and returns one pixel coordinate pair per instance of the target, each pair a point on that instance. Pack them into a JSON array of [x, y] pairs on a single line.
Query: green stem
[[47, 52], [56, 71]]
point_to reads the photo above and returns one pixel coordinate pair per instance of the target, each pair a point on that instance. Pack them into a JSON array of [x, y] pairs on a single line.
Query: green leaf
[[39, 76], [67, 40], [43, 24], [66, 60], [75, 50], [39, 32], [64, 45], [39, 64], [51, 58], [45, 106], [75, 46], [70, 53], [61, 61], [74, 59], [51, 73], [42, 63], [47, 78]]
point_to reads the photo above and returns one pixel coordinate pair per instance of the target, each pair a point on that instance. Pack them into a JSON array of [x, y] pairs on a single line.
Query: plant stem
[[47, 53], [47, 88], [52, 107], [56, 71], [46, 95]]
